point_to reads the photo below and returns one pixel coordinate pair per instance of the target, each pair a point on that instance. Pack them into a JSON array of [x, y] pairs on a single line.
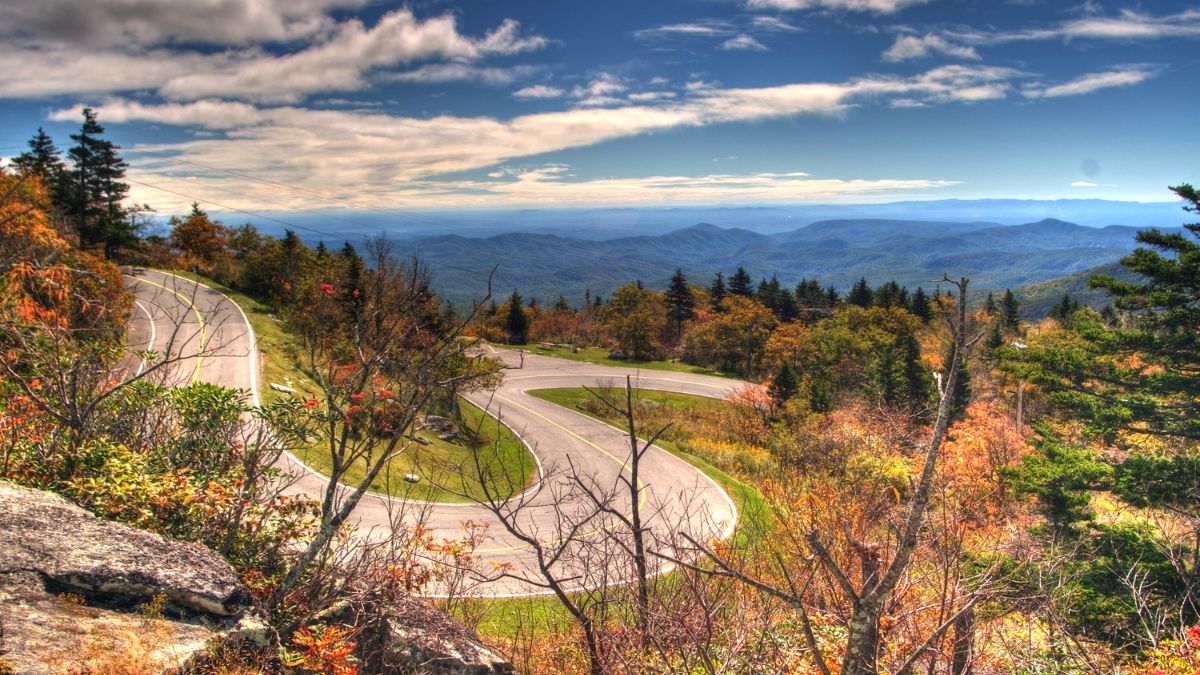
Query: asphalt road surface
[[216, 344]]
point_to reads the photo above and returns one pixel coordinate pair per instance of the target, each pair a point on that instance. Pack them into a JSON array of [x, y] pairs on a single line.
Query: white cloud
[[644, 96], [743, 42], [1091, 82], [124, 23], [463, 72], [211, 114], [908, 47], [538, 91], [343, 152], [1089, 184], [694, 28], [1128, 25], [601, 91], [547, 187], [341, 62], [873, 6], [773, 24], [338, 60]]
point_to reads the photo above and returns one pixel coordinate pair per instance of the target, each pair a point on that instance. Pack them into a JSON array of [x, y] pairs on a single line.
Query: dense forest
[[928, 485]]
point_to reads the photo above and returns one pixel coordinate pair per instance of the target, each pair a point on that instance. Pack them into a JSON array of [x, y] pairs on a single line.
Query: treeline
[[821, 344]]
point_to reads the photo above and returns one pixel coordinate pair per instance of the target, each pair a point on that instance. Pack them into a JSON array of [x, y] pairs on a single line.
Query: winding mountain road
[[678, 498]]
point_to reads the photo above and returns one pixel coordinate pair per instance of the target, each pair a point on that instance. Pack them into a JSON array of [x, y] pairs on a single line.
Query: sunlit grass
[[599, 356], [440, 464]]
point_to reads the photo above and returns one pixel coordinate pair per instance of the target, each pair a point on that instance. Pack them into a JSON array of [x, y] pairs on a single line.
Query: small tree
[[784, 385], [717, 291], [681, 305], [740, 283], [516, 321]]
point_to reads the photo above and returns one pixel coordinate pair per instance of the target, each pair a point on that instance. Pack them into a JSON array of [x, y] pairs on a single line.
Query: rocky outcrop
[[75, 588], [411, 636]]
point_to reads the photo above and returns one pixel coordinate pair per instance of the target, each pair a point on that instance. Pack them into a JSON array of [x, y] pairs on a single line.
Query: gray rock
[[411, 636], [72, 548], [72, 588]]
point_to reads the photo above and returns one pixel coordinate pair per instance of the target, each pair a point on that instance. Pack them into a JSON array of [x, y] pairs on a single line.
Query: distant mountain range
[[836, 252], [334, 226]]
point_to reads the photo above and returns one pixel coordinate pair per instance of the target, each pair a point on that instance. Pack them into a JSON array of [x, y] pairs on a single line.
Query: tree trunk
[[964, 644], [862, 644]]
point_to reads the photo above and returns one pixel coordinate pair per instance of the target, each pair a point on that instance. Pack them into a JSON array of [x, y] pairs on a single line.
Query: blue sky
[[294, 105]]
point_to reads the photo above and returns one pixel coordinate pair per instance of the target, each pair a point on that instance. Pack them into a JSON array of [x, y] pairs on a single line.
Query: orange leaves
[[327, 650]]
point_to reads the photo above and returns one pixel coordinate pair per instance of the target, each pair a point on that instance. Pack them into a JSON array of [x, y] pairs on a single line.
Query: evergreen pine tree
[[962, 385], [739, 283], [97, 193], [831, 297], [784, 385], [860, 294], [787, 310], [918, 385], [887, 295], [1011, 311], [681, 305], [995, 336], [918, 304], [516, 323], [43, 159], [717, 291], [561, 307], [352, 281], [989, 305]]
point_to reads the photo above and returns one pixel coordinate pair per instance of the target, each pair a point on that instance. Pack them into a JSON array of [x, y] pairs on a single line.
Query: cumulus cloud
[[601, 91], [1086, 84], [872, 6], [341, 62], [211, 114], [338, 60], [908, 47], [743, 42]]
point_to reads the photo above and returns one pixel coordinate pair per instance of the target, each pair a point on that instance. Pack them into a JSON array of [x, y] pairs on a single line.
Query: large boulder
[[74, 587], [411, 636]]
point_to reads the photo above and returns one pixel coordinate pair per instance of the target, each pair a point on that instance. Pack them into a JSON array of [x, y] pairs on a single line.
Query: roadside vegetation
[[440, 463], [602, 357], [950, 489]]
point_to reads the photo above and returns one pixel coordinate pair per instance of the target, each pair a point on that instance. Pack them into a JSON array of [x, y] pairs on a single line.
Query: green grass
[[281, 358], [439, 464], [746, 498], [599, 355]]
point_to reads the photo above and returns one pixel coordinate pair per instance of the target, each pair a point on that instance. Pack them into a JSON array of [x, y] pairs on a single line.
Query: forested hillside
[[839, 252]]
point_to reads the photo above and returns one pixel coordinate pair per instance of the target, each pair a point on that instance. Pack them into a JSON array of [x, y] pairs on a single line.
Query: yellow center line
[[619, 461], [199, 318]]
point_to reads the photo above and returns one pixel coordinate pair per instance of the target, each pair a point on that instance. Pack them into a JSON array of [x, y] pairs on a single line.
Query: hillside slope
[[837, 252]]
